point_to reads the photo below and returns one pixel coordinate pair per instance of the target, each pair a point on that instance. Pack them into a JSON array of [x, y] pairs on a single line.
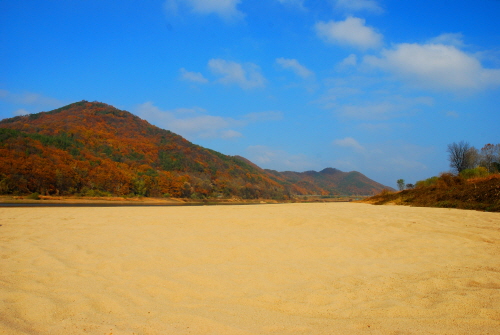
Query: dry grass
[[450, 191]]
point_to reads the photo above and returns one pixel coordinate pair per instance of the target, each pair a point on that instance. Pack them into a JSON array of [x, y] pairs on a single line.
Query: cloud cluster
[[435, 66], [383, 108], [294, 65], [349, 61], [349, 142], [455, 39], [440, 64], [191, 123], [351, 32], [244, 75], [21, 111], [195, 77], [228, 9], [197, 123], [29, 99]]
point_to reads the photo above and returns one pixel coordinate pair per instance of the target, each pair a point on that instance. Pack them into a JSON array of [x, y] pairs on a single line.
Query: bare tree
[[462, 156], [472, 158], [488, 156]]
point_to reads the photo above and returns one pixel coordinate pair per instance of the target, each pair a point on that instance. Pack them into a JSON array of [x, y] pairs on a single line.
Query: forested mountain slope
[[334, 181], [92, 148]]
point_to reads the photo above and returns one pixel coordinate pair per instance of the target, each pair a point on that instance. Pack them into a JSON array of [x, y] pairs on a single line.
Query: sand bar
[[332, 268]]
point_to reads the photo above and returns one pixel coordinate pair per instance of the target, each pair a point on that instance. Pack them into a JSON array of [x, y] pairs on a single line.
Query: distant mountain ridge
[[92, 148], [333, 181]]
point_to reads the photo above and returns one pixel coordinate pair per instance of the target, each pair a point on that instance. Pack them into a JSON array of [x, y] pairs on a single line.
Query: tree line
[[462, 156], [465, 161]]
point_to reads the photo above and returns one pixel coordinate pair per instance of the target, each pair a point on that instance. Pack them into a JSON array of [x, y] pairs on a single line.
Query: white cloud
[[197, 123], [21, 112], [435, 66], [386, 108], [349, 142], [372, 111], [187, 111], [191, 124], [224, 8], [352, 32], [491, 57], [229, 134], [30, 98], [295, 66], [279, 160], [455, 39], [204, 126], [349, 61], [246, 75], [194, 77], [358, 5]]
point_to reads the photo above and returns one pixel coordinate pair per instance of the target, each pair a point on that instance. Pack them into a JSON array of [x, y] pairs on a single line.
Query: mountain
[[334, 182], [92, 148]]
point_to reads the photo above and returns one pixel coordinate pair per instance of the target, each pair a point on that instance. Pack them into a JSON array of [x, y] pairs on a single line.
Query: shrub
[[97, 193], [34, 196], [196, 196], [427, 182], [446, 180], [385, 192], [477, 172]]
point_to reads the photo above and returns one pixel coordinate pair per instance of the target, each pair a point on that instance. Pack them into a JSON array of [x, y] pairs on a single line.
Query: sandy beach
[[323, 268]]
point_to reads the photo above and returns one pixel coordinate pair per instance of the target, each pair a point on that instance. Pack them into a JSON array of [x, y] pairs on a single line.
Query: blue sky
[[376, 86]]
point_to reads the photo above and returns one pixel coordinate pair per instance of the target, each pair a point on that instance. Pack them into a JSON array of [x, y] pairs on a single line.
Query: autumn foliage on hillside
[[448, 191], [94, 149]]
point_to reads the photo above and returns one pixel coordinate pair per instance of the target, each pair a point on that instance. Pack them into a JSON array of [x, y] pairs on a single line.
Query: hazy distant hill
[[93, 148], [335, 181]]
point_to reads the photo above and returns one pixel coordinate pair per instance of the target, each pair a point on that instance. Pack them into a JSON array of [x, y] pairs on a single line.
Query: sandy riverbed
[[333, 268]]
